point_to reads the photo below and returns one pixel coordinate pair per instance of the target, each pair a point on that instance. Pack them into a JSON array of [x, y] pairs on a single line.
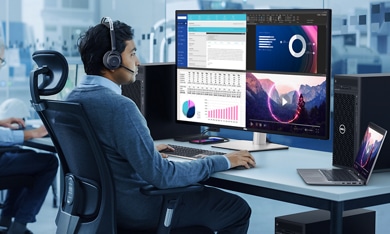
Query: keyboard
[[338, 175], [189, 152]]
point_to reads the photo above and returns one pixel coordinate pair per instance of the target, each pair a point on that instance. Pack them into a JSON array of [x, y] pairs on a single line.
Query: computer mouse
[[242, 167], [16, 126]]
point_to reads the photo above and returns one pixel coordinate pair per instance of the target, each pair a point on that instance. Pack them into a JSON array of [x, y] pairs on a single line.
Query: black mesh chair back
[[87, 204], [88, 200]]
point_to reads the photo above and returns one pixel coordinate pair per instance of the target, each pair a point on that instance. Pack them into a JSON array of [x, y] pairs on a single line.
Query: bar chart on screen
[[222, 110], [228, 114]]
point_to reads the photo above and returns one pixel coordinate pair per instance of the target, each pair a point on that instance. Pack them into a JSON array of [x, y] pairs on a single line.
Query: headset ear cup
[[112, 60]]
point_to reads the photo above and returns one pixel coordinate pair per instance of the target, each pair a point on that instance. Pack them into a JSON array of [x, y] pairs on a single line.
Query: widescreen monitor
[[265, 71]]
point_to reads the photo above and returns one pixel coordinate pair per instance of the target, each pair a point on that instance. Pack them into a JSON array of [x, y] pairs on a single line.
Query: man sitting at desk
[[23, 204], [129, 147]]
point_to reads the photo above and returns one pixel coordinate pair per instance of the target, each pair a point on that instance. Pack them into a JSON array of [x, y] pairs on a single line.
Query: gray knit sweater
[[134, 160]]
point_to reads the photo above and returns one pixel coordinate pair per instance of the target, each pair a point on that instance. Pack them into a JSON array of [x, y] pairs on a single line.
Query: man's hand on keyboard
[[164, 148], [241, 158]]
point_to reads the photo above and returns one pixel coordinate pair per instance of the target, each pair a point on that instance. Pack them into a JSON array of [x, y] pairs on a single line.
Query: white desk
[[43, 143], [275, 177]]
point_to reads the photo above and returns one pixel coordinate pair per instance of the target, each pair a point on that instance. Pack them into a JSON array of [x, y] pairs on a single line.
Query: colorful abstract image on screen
[[368, 150]]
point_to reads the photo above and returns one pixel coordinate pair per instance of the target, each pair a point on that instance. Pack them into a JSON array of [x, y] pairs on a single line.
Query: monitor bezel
[[328, 24]]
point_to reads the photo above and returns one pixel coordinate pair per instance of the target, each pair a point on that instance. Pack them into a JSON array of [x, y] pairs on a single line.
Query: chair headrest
[[52, 72]]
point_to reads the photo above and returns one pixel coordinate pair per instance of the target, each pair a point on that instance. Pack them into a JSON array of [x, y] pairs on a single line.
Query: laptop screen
[[369, 150]]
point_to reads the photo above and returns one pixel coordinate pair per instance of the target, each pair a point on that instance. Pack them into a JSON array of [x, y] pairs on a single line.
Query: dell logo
[[342, 128]]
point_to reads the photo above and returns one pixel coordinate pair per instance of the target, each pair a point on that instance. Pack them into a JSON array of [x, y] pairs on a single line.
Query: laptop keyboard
[[189, 152], [338, 175]]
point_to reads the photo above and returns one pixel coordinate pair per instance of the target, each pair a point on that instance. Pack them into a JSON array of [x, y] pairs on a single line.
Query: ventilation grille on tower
[[344, 120]]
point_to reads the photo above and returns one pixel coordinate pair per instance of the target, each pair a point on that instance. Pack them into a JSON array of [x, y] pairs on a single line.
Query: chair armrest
[[151, 190], [171, 198]]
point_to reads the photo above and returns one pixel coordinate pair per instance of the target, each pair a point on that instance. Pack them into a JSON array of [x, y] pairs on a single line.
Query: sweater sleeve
[[10, 137], [129, 147], [136, 145]]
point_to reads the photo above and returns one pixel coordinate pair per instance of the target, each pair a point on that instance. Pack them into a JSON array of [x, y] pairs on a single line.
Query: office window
[[51, 28], [362, 19], [353, 20], [75, 4], [375, 8], [350, 39], [50, 3], [387, 17], [54, 23], [382, 44], [70, 36]]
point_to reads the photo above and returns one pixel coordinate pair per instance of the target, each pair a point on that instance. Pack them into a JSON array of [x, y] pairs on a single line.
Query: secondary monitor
[[265, 71]]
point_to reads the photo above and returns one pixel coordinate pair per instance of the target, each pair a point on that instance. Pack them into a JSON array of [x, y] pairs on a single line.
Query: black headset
[[112, 59]]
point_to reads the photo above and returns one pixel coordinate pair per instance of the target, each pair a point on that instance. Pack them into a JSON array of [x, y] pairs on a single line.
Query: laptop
[[363, 165]]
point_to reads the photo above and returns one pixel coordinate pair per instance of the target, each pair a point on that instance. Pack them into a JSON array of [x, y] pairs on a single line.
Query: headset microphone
[[127, 69]]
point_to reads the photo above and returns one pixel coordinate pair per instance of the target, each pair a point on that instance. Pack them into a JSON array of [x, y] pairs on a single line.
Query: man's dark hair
[[95, 42]]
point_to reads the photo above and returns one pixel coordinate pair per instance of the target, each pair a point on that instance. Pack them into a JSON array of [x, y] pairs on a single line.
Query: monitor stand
[[259, 143]]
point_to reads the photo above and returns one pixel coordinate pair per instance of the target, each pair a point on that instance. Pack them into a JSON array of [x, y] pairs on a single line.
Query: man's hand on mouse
[[236, 158], [241, 158], [13, 123]]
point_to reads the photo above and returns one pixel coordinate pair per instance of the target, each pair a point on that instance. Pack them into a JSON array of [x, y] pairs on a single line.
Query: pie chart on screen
[[189, 109]]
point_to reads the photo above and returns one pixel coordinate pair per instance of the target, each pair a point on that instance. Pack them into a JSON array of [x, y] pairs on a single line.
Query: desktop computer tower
[[154, 94], [359, 99], [317, 222]]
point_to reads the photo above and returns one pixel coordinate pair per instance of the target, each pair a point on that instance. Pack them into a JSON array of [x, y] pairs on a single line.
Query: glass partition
[[360, 32]]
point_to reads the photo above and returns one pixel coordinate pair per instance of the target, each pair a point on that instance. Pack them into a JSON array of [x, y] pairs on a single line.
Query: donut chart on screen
[[189, 109]]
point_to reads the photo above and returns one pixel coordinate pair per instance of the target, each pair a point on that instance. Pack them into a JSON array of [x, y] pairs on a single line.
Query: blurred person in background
[[21, 205]]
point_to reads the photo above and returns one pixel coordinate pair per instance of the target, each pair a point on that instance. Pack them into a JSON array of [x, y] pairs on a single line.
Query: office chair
[[88, 200]]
